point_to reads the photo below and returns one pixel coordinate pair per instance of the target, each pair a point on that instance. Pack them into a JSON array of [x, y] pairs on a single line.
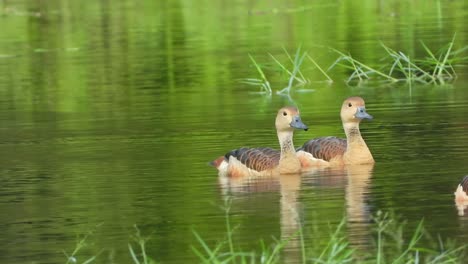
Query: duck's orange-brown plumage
[[265, 161]]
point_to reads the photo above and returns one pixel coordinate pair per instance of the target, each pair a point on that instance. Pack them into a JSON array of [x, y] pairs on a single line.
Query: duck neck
[[289, 163], [356, 146], [353, 134], [286, 143]]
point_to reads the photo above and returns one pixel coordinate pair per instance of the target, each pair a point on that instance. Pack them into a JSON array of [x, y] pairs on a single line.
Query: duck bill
[[362, 114], [298, 124]]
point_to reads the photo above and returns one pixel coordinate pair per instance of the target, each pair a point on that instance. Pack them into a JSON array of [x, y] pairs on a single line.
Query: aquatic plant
[[262, 82], [141, 257], [391, 245], [360, 71], [294, 77], [80, 244], [329, 79], [435, 68], [442, 63], [297, 62], [219, 254], [337, 249]]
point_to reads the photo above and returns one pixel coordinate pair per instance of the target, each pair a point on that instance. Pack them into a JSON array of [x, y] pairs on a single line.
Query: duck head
[[353, 110], [288, 119]]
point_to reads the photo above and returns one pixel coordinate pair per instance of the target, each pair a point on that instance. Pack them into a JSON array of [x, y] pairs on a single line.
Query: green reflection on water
[[110, 112]]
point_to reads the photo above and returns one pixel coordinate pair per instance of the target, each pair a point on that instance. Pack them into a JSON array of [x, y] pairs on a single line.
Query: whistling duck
[[266, 161], [325, 151], [462, 190]]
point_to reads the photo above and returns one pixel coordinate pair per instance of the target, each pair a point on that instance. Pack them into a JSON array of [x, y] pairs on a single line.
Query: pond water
[[110, 113]]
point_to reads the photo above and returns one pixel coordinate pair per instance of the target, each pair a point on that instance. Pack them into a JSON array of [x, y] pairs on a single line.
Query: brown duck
[[266, 161], [326, 151]]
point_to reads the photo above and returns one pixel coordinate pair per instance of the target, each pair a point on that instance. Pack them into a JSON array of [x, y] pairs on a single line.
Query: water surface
[[110, 113]]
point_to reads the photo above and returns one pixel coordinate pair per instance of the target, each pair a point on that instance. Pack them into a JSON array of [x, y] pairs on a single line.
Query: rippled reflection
[[354, 180], [109, 111]]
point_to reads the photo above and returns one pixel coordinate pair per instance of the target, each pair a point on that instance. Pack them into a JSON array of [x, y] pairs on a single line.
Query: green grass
[[289, 70], [81, 243], [261, 82], [140, 257], [293, 76], [393, 246], [360, 71], [392, 242], [435, 67], [296, 67]]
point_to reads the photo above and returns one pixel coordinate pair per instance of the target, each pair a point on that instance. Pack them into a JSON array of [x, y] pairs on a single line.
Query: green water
[[110, 112]]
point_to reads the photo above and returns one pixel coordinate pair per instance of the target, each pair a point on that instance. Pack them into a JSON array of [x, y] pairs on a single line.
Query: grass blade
[[320, 68]]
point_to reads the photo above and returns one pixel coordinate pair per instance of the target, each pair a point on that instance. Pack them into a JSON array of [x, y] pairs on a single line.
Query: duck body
[[330, 151], [265, 161], [248, 161], [462, 191], [322, 151]]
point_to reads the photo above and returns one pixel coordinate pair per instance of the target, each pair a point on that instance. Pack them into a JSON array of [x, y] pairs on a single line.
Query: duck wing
[[325, 148], [258, 159]]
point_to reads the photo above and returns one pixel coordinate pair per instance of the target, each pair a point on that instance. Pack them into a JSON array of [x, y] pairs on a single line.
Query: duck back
[[325, 148], [258, 159]]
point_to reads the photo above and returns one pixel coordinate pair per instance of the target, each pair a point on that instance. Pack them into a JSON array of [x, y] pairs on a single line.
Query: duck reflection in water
[[354, 179], [288, 186], [357, 209]]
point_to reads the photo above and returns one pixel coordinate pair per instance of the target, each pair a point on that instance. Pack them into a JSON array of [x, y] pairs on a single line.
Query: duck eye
[[285, 114], [350, 104]]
